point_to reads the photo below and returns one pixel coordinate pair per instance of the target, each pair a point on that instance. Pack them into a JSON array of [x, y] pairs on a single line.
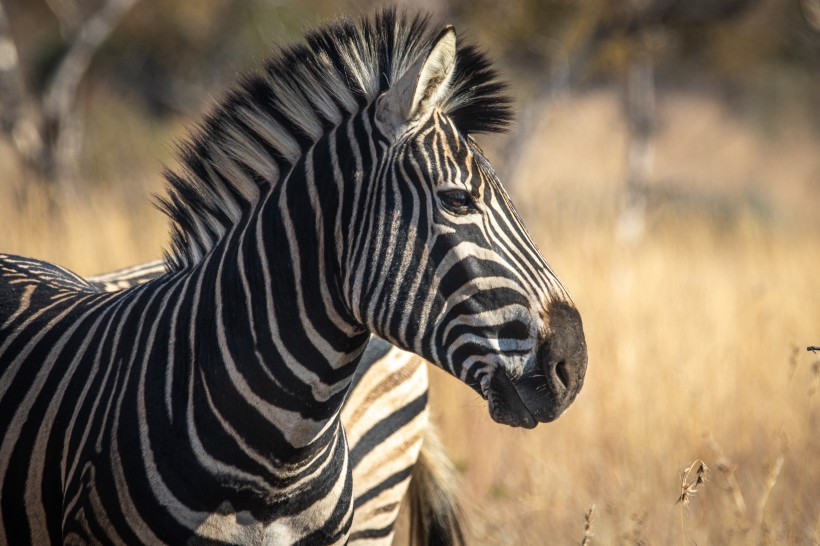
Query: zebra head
[[452, 274], [347, 175]]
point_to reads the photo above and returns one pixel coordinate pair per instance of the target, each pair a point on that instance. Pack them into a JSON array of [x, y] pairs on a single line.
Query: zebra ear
[[423, 85]]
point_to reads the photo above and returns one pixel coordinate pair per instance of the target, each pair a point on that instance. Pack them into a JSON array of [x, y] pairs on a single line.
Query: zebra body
[[386, 421], [334, 195], [385, 417], [76, 449]]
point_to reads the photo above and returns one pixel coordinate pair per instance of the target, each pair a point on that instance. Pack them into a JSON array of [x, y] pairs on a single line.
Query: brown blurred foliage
[[164, 49], [166, 59]]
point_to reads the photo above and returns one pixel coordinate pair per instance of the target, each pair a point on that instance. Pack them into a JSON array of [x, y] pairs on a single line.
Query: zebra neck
[[270, 348], [281, 344]]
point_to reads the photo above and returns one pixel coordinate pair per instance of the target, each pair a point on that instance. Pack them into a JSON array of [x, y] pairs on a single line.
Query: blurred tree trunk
[[639, 111], [550, 87], [20, 116], [564, 59], [45, 131]]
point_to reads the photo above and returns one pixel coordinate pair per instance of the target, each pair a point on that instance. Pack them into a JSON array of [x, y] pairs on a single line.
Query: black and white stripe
[[333, 195], [386, 422]]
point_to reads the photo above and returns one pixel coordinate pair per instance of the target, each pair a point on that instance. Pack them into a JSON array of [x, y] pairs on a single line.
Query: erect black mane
[[254, 135]]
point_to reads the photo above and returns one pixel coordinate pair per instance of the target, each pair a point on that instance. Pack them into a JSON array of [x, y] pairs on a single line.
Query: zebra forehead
[[449, 157]]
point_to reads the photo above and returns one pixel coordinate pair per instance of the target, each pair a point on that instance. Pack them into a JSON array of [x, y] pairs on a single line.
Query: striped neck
[[282, 337]]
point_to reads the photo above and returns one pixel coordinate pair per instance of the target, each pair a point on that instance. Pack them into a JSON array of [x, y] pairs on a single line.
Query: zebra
[[334, 194], [386, 406], [390, 437]]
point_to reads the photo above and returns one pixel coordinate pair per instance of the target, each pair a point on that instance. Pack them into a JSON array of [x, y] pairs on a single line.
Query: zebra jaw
[[506, 406]]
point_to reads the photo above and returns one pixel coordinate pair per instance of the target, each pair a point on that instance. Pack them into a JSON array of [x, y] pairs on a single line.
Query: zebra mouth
[[506, 406]]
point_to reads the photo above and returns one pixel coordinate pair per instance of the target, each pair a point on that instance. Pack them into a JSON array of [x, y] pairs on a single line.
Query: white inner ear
[[435, 74], [422, 86]]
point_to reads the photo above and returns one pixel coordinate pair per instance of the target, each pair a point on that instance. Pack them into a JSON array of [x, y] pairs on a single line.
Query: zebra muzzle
[[554, 380], [506, 406]]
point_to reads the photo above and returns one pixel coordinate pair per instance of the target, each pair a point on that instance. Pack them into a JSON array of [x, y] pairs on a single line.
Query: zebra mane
[[256, 134]]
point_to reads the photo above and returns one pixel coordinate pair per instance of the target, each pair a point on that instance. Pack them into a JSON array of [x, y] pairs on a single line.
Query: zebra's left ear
[[423, 85]]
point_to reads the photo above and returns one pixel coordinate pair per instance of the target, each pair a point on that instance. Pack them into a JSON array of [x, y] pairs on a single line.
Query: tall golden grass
[[696, 333]]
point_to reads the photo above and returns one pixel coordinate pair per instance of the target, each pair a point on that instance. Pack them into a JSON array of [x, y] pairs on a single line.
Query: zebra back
[[122, 279]]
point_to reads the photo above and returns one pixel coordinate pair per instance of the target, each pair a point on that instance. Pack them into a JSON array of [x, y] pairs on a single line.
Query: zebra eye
[[457, 201]]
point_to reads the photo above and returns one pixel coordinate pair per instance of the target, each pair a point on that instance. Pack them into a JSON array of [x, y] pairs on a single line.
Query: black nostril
[[562, 373], [564, 358], [555, 377]]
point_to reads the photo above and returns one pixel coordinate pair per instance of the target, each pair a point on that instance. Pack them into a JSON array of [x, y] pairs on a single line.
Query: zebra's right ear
[[420, 88]]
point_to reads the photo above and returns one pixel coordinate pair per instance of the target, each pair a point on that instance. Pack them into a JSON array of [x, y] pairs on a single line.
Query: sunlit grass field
[[697, 332]]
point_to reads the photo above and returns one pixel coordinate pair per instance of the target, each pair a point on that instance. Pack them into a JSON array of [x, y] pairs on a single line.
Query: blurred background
[[666, 158]]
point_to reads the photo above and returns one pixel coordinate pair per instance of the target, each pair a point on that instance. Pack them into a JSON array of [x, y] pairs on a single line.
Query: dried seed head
[[688, 485], [702, 474], [587, 540]]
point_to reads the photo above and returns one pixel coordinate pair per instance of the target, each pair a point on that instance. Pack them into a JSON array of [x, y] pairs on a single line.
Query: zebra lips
[[506, 406]]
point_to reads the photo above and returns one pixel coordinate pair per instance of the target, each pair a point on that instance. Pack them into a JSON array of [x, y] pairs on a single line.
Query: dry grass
[[690, 331], [588, 534]]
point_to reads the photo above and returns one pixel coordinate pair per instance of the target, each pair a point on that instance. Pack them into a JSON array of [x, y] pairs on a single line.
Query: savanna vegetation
[[666, 161]]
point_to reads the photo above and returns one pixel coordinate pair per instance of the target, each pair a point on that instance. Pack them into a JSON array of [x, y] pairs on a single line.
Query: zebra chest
[[233, 527], [123, 496], [93, 517]]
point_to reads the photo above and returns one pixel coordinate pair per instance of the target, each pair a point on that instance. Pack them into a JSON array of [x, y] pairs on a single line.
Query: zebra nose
[[564, 356], [549, 387]]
